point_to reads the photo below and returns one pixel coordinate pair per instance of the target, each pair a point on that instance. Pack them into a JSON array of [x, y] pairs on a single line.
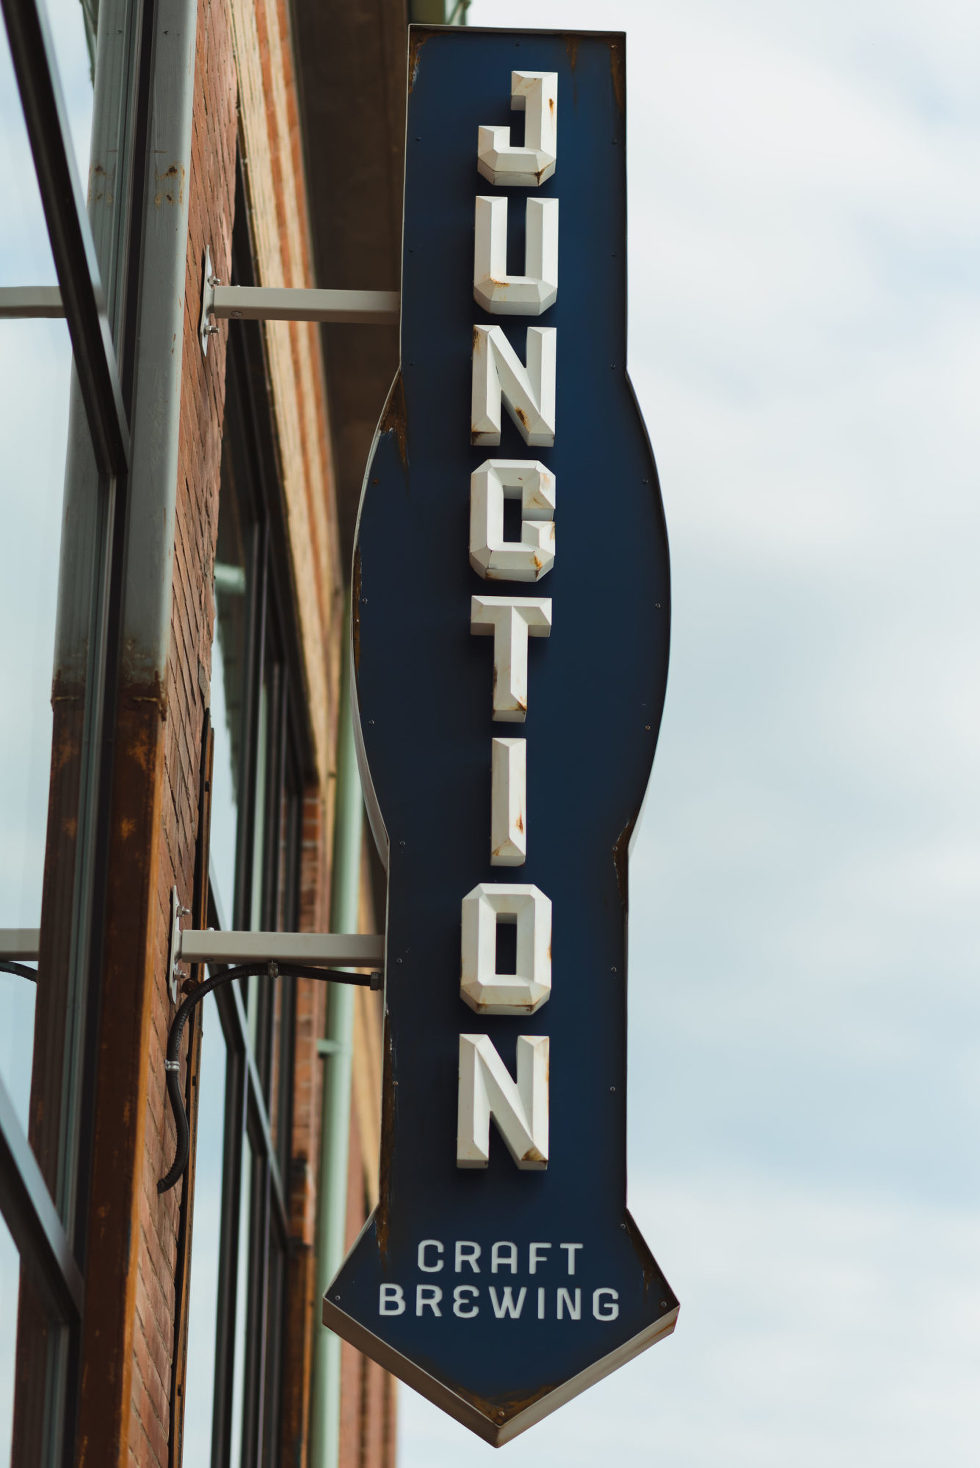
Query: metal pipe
[[335, 1118], [292, 303], [31, 301], [20, 943], [356, 949], [237, 303]]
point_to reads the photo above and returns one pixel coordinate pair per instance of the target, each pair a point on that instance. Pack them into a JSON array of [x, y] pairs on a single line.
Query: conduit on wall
[[336, 1050]]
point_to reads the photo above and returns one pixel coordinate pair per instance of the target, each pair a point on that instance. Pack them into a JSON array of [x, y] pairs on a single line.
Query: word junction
[[519, 1106]]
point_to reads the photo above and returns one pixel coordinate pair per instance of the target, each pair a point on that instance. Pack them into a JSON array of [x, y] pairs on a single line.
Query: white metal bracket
[[174, 970], [20, 943], [289, 303], [332, 950], [329, 950], [30, 301]]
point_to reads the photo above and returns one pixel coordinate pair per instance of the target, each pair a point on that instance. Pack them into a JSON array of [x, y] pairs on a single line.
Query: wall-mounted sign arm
[[211, 946], [22, 943], [23, 301], [273, 970], [290, 303], [19, 943], [358, 950]]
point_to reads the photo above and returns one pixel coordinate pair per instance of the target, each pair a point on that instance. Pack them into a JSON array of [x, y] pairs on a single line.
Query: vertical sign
[[511, 594]]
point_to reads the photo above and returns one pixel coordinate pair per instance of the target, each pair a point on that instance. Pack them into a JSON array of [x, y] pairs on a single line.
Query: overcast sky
[[805, 344]]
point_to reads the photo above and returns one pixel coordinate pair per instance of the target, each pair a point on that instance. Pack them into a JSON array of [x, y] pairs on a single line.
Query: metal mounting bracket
[[289, 303], [30, 301], [207, 327], [23, 943], [171, 1064], [174, 970], [334, 950]]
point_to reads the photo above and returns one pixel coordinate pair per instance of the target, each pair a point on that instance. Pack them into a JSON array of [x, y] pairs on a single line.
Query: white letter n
[[519, 1109], [529, 392]]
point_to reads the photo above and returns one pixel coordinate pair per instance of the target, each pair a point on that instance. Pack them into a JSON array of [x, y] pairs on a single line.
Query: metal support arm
[[236, 303], [359, 950], [356, 950], [290, 303], [286, 303], [19, 301], [19, 943], [22, 943]]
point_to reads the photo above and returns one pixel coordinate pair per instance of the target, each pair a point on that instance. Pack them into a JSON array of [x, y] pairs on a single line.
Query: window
[[59, 660]]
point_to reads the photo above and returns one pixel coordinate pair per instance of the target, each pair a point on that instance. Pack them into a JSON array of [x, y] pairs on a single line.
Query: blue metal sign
[[511, 596]]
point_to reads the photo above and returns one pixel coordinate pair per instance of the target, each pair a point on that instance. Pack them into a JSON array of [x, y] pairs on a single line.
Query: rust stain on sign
[[617, 71], [501, 1408], [395, 419], [621, 857], [417, 40], [355, 607]]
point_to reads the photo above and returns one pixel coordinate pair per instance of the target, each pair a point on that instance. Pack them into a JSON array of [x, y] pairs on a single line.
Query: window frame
[[44, 1192]]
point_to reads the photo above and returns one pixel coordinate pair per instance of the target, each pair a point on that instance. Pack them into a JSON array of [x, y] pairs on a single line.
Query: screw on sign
[[511, 591]]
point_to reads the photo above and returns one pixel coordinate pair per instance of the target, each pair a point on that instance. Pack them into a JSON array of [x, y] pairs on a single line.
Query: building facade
[[174, 635]]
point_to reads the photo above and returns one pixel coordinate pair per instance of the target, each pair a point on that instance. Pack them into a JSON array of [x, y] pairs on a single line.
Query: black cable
[[7, 966], [172, 1063]]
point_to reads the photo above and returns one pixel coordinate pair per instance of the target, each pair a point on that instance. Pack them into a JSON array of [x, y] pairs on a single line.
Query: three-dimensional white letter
[[519, 1109], [515, 295], [483, 988], [508, 802], [510, 620], [493, 557], [499, 375], [535, 93]]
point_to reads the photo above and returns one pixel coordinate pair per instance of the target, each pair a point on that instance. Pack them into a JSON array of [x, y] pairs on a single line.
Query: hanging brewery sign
[[511, 602]]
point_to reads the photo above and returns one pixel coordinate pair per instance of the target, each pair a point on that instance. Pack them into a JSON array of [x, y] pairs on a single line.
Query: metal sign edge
[[459, 1407]]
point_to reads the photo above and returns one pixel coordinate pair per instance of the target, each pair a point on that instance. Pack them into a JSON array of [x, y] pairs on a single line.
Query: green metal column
[[336, 1052]]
